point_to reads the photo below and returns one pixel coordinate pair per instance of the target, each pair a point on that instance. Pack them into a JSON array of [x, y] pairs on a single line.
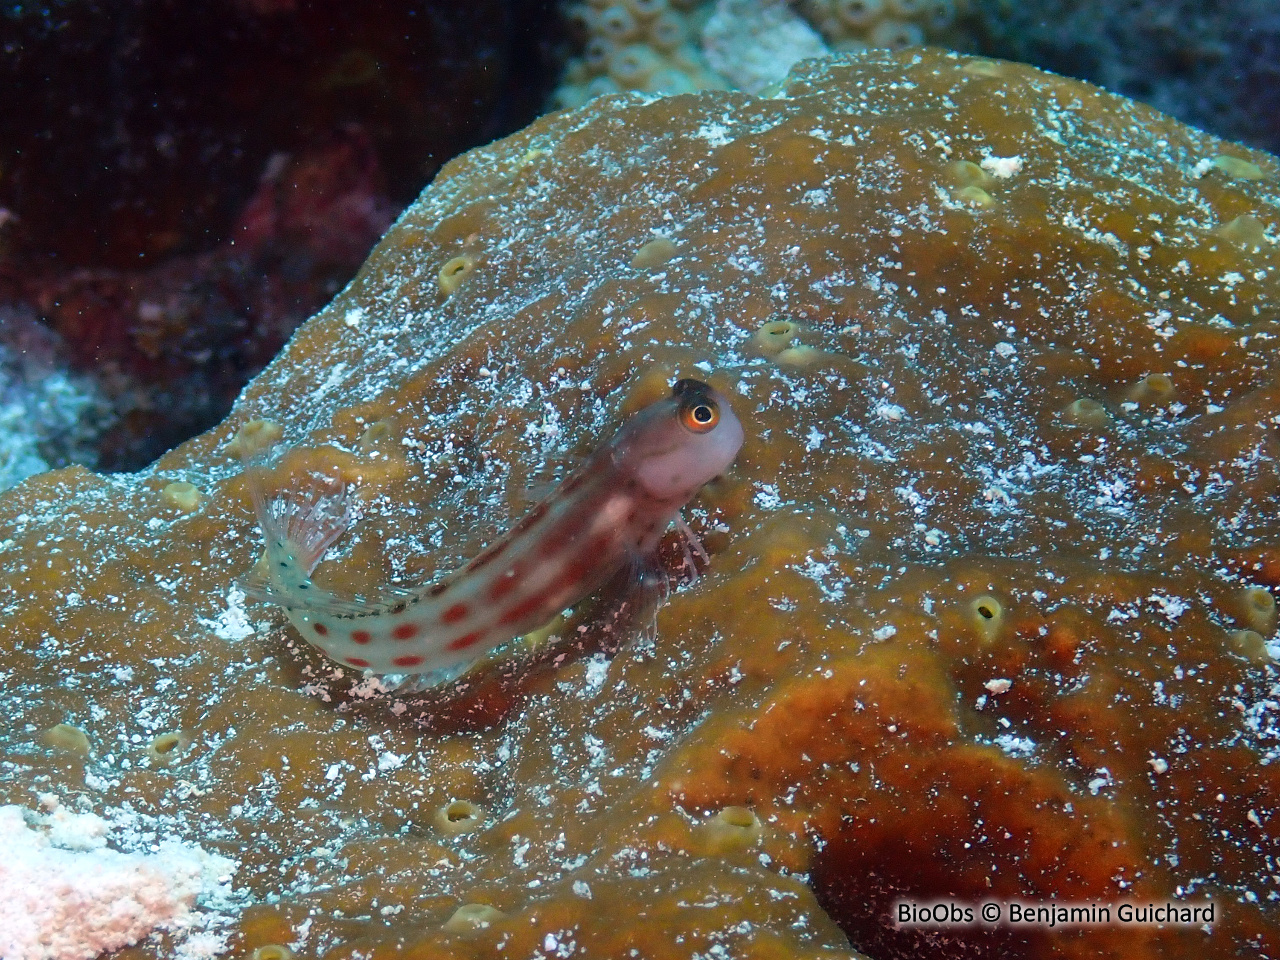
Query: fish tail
[[304, 524], [298, 526]]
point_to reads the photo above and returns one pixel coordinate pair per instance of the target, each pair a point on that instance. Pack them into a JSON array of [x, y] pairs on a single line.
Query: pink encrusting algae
[[607, 515]]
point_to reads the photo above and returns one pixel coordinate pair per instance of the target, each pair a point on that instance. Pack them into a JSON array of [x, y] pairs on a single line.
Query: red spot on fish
[[407, 661], [406, 631], [455, 613], [357, 662], [466, 640], [589, 561], [522, 609], [361, 636], [321, 629]]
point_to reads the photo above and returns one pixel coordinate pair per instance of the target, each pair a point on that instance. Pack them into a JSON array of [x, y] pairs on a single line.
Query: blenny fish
[[608, 513]]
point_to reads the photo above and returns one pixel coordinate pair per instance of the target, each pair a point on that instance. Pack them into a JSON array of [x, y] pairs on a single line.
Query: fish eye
[[701, 416]]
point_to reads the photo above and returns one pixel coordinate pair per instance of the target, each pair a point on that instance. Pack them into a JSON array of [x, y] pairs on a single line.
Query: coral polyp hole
[[1154, 388], [254, 438], [739, 817], [472, 916], [1086, 413], [1246, 230], [800, 356], [775, 336], [273, 951], [1258, 610], [455, 272], [967, 173], [986, 615], [167, 747], [975, 196], [597, 52], [985, 68], [666, 32], [896, 34], [459, 816], [654, 253], [182, 496], [1250, 645], [617, 23], [67, 738], [1237, 168], [731, 829], [859, 13], [631, 67]]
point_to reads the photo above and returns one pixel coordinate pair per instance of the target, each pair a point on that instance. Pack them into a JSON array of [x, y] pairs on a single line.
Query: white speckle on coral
[[596, 672], [72, 831], [767, 497], [64, 895], [1002, 167], [336, 377], [232, 623], [716, 134], [1015, 746], [595, 748], [1171, 607], [889, 411], [1202, 167]]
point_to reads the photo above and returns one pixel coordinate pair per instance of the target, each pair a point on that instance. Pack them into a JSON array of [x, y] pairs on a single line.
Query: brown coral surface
[[989, 603]]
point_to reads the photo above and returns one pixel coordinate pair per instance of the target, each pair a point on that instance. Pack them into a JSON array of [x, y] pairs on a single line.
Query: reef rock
[[989, 611]]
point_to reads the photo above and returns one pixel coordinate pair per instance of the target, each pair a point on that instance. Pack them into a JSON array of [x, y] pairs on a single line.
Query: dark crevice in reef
[[860, 882], [181, 186]]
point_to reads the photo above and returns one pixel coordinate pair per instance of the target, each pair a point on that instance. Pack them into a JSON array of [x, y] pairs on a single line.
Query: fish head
[[681, 442]]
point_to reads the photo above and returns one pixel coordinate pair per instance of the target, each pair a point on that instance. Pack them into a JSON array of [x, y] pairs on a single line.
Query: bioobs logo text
[[933, 914], [1051, 914]]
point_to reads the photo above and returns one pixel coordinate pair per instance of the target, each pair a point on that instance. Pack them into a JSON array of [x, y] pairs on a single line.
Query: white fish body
[[607, 513]]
